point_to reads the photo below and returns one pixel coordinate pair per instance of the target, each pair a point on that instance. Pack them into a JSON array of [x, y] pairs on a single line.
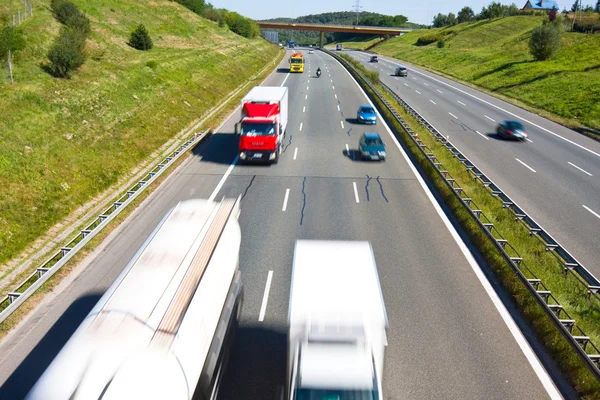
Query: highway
[[450, 337], [554, 176]]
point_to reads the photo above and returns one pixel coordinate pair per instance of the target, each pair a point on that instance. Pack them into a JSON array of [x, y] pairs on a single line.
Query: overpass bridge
[[322, 28]]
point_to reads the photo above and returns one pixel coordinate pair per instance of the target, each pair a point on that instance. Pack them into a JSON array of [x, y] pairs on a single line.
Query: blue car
[[371, 147], [366, 115]]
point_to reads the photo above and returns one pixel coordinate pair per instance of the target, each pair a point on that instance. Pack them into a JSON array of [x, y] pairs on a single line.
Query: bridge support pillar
[[321, 39]]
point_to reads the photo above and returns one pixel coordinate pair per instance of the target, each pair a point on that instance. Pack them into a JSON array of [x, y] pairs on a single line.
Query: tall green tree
[[597, 8], [545, 41], [466, 14]]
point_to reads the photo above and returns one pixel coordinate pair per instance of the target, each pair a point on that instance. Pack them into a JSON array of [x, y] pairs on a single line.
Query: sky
[[419, 11]]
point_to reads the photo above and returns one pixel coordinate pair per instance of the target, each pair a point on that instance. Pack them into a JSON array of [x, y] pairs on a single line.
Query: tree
[[575, 6], [11, 41], [451, 19], [545, 41], [140, 39], [597, 8], [552, 15], [67, 53], [440, 20], [466, 14]]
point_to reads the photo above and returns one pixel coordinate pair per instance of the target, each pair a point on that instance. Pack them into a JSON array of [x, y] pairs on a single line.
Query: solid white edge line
[[263, 307], [491, 119], [525, 165], [295, 153], [581, 169], [355, 192], [300, 126], [287, 76], [482, 135], [537, 367], [592, 211], [452, 115], [223, 179], [285, 199]]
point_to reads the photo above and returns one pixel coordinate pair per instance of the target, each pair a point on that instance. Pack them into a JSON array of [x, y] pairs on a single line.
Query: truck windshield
[[320, 394], [258, 129], [297, 60]]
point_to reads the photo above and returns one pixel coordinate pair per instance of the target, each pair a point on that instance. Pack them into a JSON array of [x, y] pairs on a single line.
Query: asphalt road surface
[[447, 338], [554, 176]]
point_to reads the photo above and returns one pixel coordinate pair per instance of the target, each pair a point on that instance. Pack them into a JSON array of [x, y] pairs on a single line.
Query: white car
[[311, 51]]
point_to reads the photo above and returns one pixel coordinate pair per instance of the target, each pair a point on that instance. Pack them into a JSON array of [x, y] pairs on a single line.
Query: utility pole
[[357, 8], [10, 67]]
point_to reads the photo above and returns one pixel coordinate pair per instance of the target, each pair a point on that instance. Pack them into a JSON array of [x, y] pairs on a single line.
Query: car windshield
[[367, 110], [319, 394], [401, 69], [516, 126], [373, 142], [258, 129]]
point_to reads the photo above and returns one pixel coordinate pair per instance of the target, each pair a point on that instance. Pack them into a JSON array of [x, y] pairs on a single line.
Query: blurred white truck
[[337, 322]]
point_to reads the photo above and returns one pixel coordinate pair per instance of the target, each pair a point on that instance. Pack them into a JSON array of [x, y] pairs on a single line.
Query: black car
[[512, 130], [374, 59], [401, 71]]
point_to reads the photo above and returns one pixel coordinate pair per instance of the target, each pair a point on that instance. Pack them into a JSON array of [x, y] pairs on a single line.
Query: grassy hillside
[[495, 55], [63, 141], [361, 42]]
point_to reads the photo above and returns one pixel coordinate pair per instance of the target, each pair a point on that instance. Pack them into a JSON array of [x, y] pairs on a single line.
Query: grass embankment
[[494, 55], [569, 293], [358, 43], [64, 141]]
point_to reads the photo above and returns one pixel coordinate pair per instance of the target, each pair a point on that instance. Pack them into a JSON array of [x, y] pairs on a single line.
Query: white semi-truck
[[337, 322], [164, 328]]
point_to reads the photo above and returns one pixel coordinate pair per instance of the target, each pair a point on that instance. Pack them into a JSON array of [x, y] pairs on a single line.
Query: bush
[[545, 41], [140, 39], [151, 64], [428, 39], [68, 14], [441, 43], [67, 54]]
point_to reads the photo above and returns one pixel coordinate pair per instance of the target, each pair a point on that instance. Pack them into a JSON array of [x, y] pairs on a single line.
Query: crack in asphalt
[[367, 187], [248, 187], [303, 201], [288, 145], [381, 188]]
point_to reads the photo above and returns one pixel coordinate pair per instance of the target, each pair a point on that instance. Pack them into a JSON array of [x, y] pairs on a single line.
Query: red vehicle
[[263, 124]]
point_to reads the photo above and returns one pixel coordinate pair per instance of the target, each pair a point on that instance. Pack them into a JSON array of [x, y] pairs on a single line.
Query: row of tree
[[237, 23], [496, 10]]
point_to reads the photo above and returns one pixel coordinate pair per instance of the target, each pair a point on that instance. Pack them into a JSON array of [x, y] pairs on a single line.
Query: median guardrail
[[42, 273], [575, 336]]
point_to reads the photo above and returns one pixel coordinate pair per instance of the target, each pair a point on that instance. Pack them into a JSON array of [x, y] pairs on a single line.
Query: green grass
[[64, 141], [494, 55], [564, 287], [358, 43]]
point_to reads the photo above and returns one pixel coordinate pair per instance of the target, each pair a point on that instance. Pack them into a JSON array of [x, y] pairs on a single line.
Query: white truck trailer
[[337, 322], [163, 329]]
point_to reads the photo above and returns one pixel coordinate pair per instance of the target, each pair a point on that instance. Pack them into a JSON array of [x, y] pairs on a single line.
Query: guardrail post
[[85, 232], [65, 250], [41, 271], [12, 296]]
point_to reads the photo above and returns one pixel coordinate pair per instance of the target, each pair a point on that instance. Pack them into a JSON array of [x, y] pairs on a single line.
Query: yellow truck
[[297, 62]]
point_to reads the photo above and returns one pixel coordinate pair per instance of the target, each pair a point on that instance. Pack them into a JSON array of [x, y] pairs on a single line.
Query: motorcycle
[[318, 74]]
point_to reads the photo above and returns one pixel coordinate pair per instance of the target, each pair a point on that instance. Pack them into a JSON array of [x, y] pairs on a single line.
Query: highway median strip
[[540, 263]]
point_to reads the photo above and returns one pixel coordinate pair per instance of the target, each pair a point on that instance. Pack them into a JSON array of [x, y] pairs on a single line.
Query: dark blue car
[[366, 115]]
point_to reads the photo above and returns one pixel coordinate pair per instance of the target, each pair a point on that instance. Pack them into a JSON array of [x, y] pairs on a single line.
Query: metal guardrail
[[567, 326], [35, 280]]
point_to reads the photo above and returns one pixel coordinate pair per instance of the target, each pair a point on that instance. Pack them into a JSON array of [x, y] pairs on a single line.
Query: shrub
[[151, 64], [441, 43], [68, 14], [140, 39], [428, 39], [545, 40], [67, 53]]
